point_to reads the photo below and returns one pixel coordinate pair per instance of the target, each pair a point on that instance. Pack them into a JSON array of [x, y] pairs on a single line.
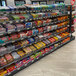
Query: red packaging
[[48, 21], [13, 37], [52, 40], [19, 64], [29, 33], [24, 61], [40, 29], [11, 68], [9, 58], [3, 61], [43, 51], [47, 49], [21, 34], [21, 17]]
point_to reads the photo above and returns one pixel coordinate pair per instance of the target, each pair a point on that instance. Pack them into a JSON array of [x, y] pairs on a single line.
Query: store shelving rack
[[19, 69]]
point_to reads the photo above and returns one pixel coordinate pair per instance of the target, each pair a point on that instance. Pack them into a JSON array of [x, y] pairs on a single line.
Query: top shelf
[[31, 8]]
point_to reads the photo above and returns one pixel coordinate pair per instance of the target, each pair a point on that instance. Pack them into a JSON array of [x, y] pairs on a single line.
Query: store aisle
[[60, 63]]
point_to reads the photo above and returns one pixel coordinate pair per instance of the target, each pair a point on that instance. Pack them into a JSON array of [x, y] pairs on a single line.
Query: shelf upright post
[[70, 20]]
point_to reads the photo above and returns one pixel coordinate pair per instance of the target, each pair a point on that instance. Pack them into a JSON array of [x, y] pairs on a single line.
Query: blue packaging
[[31, 40], [35, 31], [28, 25]]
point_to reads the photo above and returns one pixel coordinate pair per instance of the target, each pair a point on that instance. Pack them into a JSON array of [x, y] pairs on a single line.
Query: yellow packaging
[[37, 46], [43, 44], [3, 72], [34, 15], [21, 53], [32, 48], [55, 38]]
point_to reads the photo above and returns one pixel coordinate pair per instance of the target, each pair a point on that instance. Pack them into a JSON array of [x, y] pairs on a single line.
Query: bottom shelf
[[26, 65]]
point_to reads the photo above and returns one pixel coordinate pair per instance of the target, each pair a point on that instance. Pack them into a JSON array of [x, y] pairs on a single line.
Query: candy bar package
[[32, 57], [8, 57], [48, 28], [3, 49], [21, 53], [3, 72], [28, 25], [40, 29], [10, 27], [2, 61], [29, 33], [19, 64], [39, 23], [20, 26], [2, 29], [15, 55], [35, 32], [56, 38], [3, 39], [11, 68], [33, 48], [24, 43], [38, 54], [27, 50], [13, 37], [24, 61], [21, 34], [43, 51], [46, 42], [28, 60], [31, 40], [40, 37]]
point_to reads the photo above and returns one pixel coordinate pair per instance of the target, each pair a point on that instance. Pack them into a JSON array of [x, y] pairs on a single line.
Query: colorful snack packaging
[[19, 64], [15, 55], [21, 53], [3, 61], [9, 58], [11, 68]]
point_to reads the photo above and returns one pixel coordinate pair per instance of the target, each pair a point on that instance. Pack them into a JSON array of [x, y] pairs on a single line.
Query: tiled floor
[[60, 63]]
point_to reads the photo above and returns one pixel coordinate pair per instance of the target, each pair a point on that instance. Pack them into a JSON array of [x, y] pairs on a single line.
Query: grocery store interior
[[37, 38]]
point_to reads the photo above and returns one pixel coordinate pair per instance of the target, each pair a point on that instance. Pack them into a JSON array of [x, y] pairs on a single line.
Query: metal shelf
[[26, 65], [52, 23], [30, 36], [33, 52], [3, 53]]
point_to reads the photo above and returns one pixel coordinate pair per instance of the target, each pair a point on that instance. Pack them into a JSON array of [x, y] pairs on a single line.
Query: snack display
[[30, 32]]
